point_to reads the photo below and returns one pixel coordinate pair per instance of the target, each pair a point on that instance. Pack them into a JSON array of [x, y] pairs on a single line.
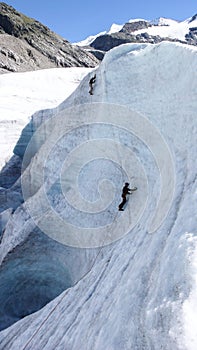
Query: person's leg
[[91, 90], [124, 201], [121, 205]]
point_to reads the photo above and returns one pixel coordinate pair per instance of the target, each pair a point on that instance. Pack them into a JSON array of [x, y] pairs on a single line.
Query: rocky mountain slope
[[26, 44], [142, 31]]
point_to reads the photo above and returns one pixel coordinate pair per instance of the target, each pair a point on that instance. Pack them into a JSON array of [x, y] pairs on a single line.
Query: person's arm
[[132, 189]]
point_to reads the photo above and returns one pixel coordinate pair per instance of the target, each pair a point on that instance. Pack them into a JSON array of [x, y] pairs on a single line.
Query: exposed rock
[[99, 54], [129, 34], [193, 18], [192, 36], [18, 55], [108, 41], [133, 26], [26, 44]]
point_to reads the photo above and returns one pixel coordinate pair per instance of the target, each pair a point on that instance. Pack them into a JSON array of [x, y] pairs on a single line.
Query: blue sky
[[76, 19]]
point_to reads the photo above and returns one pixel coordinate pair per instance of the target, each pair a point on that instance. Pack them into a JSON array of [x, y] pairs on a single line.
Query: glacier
[[22, 94], [133, 291]]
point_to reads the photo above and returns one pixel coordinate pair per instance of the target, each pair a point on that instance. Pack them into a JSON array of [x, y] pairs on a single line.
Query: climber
[[91, 82], [126, 190]]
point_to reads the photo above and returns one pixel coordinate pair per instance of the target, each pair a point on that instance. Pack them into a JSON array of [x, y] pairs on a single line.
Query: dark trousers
[[91, 89], [124, 199]]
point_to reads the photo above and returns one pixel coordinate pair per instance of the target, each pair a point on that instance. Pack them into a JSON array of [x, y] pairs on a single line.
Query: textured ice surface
[[140, 293]]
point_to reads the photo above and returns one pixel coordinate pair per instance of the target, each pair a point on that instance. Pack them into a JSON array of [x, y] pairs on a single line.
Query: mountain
[[143, 31], [26, 45], [86, 43], [113, 29], [99, 278]]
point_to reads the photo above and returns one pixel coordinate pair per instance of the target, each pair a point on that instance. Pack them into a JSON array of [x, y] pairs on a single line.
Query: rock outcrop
[[108, 41], [137, 31], [26, 44]]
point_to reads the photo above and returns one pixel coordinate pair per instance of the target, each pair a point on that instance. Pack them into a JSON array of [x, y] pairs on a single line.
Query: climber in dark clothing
[[91, 82], [126, 190]]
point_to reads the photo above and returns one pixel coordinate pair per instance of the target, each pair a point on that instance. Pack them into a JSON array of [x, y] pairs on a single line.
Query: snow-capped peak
[[137, 20], [115, 28], [162, 21], [89, 39], [168, 28], [163, 27]]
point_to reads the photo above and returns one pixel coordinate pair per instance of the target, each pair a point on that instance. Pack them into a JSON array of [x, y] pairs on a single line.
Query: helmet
[[126, 183]]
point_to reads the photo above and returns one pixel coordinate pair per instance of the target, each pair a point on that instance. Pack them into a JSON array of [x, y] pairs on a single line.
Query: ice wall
[[139, 292]]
